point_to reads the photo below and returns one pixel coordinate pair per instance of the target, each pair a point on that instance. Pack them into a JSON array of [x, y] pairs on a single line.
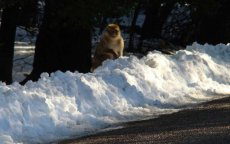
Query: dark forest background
[[65, 27]]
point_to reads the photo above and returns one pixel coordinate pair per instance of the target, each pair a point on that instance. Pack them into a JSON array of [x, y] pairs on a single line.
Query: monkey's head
[[113, 30]]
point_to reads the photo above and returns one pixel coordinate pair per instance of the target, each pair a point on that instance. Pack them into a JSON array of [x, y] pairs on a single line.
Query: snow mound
[[65, 105]]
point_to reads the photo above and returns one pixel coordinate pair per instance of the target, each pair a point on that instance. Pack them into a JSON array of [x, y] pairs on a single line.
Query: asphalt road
[[206, 123]]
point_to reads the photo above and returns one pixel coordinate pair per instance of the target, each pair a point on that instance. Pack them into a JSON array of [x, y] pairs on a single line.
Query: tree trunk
[[155, 17], [7, 38], [60, 47], [133, 27], [214, 28]]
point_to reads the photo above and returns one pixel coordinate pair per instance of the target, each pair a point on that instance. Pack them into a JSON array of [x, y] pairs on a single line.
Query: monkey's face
[[113, 30]]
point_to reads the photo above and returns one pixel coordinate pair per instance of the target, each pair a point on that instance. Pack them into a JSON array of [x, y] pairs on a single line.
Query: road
[[206, 123]]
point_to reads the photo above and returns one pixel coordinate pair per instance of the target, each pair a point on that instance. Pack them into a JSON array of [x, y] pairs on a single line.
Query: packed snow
[[65, 105]]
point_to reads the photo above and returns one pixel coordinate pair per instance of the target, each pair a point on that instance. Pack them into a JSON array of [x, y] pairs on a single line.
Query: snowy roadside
[[66, 105], [205, 123]]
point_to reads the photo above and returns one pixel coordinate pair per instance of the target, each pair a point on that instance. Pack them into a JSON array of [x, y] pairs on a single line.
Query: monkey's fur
[[111, 46]]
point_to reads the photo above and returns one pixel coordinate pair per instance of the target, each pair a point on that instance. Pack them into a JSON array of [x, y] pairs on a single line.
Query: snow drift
[[64, 105]]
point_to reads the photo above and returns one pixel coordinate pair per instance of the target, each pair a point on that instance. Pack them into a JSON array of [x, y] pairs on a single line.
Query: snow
[[23, 53], [23, 60], [65, 105]]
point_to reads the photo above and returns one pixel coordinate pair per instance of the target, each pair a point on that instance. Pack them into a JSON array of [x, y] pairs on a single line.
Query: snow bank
[[74, 104]]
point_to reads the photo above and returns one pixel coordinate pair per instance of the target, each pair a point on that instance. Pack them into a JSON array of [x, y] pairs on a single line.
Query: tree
[[133, 26], [177, 27], [64, 39], [9, 20], [211, 21], [61, 45], [7, 37], [156, 13]]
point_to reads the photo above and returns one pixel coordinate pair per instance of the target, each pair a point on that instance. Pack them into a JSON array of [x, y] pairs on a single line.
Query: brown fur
[[110, 46]]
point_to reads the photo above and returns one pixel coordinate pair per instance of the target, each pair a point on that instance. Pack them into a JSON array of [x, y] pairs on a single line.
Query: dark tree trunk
[[133, 27], [7, 38], [155, 17], [59, 46], [214, 26], [28, 14], [151, 26], [225, 22]]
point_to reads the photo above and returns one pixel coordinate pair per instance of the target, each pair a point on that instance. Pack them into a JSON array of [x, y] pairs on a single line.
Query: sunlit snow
[[65, 105]]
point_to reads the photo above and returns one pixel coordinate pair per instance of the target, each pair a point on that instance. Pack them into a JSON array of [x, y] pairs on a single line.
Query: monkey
[[107, 54], [111, 46]]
